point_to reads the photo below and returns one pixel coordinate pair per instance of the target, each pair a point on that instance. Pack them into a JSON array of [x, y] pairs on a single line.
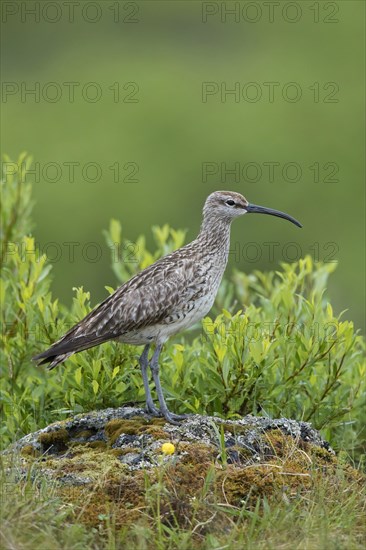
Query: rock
[[131, 431], [116, 458]]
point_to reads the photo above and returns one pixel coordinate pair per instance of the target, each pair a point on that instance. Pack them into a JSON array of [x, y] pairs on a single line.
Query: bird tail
[[51, 358], [80, 337], [58, 352], [68, 345]]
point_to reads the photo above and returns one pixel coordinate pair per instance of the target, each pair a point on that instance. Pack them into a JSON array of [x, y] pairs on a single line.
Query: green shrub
[[287, 355], [274, 348]]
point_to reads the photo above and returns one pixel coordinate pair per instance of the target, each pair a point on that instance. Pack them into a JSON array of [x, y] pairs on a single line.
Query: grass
[[325, 512]]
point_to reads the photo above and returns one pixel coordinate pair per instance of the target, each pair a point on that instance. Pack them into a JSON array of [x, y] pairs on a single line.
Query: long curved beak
[[255, 209]]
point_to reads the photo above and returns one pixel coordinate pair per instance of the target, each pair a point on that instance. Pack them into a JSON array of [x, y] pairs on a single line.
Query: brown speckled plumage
[[163, 299]]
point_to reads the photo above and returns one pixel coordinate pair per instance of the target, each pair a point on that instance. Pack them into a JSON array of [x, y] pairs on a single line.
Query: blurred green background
[[168, 128]]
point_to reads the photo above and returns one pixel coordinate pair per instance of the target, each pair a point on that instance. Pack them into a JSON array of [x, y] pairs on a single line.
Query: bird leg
[[154, 366], [144, 363]]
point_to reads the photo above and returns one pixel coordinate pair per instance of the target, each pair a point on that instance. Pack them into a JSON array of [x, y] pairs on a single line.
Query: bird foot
[[179, 416], [170, 417], [151, 409], [173, 418]]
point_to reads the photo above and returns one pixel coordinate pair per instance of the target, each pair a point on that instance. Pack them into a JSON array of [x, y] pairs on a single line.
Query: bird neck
[[215, 233]]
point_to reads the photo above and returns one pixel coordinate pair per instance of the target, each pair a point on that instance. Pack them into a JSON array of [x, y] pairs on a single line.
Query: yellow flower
[[168, 448]]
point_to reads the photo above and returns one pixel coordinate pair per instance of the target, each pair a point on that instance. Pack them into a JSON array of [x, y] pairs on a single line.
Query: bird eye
[[230, 202]]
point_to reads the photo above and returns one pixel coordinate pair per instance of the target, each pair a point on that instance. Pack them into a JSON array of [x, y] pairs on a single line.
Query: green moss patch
[[54, 441], [29, 451], [135, 426]]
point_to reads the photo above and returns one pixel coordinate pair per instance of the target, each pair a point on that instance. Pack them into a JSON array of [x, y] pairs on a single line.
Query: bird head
[[229, 205]]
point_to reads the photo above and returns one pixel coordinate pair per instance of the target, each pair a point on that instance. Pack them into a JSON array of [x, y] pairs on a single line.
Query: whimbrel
[[165, 298]]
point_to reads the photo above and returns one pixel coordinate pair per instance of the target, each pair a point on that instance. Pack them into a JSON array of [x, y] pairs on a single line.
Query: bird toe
[[153, 411], [173, 418], [179, 417]]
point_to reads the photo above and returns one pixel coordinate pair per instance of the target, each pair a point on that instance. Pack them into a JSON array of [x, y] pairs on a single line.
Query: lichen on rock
[[104, 460]]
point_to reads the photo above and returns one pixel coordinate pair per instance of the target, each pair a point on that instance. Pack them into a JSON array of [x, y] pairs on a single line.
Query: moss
[[54, 441], [95, 463], [118, 491], [187, 477], [235, 429], [236, 485], [134, 426], [197, 453], [187, 483], [30, 451], [278, 444], [72, 468], [155, 431], [284, 468], [124, 451], [191, 481], [124, 504], [238, 454], [120, 495], [114, 428], [323, 454], [128, 488], [83, 434], [96, 444]]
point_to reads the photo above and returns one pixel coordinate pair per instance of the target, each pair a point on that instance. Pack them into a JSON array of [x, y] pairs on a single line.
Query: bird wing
[[148, 298]]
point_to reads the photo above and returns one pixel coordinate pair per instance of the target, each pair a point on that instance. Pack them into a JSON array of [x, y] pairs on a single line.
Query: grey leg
[[144, 363], [154, 366]]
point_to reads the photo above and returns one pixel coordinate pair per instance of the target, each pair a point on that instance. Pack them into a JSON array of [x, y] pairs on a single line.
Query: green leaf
[[78, 376], [115, 371], [115, 231]]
